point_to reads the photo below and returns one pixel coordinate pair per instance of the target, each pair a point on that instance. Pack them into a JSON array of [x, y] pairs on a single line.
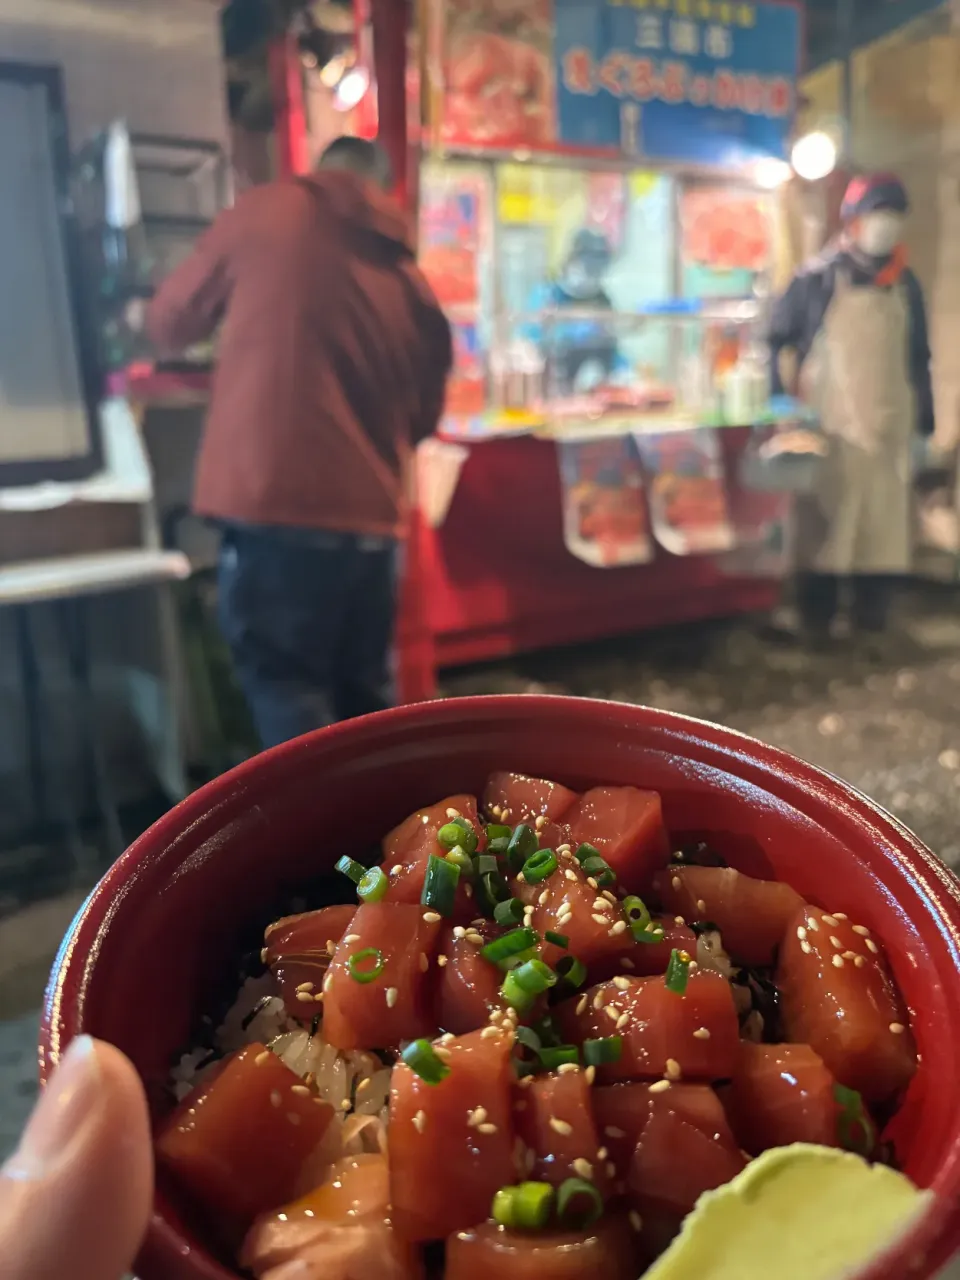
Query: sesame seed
[[840, 915], [351, 937], [275, 1098], [442, 1052], [679, 920], [611, 1131], [582, 1004], [701, 1033], [612, 1012], [611, 897], [602, 1153], [659, 1086], [599, 919], [478, 923], [543, 897], [622, 984], [454, 813], [626, 963], [293, 1117], [431, 917], [391, 994], [805, 947], [801, 933], [831, 921], [635, 1220], [305, 997], [860, 961], [897, 1028], [364, 1084], [623, 1021], [872, 946], [560, 1126], [835, 941], [617, 929], [565, 916], [345, 1105], [261, 1058], [420, 1121], [459, 931], [862, 929], [396, 868], [489, 1032], [441, 961], [496, 810], [473, 936], [592, 882], [565, 1068], [570, 875], [563, 849], [838, 962], [486, 1128], [332, 946], [694, 966], [477, 1116], [850, 955], [263, 955], [673, 1069], [598, 1000], [504, 813], [305, 986], [581, 1167], [525, 1082], [701, 905], [318, 998], [677, 883], [590, 1074], [300, 1089], [424, 962], [684, 956], [540, 823]]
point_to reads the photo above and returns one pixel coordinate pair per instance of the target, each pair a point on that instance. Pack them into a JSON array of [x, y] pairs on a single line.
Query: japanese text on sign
[[647, 79], [728, 11]]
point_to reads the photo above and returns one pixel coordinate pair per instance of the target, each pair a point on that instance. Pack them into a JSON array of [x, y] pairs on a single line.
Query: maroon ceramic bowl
[[159, 934]]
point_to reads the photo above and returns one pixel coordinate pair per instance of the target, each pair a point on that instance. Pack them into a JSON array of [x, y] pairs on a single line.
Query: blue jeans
[[308, 617]]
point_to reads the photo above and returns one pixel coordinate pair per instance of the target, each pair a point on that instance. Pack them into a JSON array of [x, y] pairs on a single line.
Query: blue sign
[[709, 82]]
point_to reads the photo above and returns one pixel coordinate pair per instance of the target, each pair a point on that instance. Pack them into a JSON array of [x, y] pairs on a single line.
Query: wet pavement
[[887, 721]]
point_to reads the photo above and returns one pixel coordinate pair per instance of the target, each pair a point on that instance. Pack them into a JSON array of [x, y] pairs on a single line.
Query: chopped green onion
[[571, 971], [528, 1038], [372, 885], [539, 865], [855, 1127], [579, 1203], [359, 958], [558, 939], [586, 851], [640, 922], [352, 870], [460, 858], [449, 835], [522, 844], [527, 1206], [547, 1032], [678, 971], [424, 1061], [523, 984], [497, 831], [498, 845], [469, 839], [596, 1053], [553, 1058], [599, 870], [509, 945], [485, 863], [440, 885], [509, 912], [491, 889]]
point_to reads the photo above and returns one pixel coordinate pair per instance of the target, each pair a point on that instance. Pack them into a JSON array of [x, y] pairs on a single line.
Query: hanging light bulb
[[771, 173], [353, 85], [814, 156]]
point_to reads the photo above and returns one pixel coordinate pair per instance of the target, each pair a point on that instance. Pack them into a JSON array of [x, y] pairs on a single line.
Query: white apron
[[858, 378]]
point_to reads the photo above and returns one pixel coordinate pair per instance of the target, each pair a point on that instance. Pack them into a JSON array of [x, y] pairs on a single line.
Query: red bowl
[[159, 934]]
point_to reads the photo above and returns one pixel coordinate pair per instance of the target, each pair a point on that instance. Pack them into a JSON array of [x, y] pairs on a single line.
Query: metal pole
[[845, 41]]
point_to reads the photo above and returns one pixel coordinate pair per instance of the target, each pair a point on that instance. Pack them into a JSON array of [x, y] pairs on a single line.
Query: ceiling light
[[814, 156]]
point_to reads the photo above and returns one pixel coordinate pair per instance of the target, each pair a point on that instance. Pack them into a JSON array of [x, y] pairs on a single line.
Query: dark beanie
[[874, 191]]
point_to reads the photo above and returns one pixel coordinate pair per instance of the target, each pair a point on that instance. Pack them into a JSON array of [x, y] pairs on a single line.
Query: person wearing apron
[[855, 319]]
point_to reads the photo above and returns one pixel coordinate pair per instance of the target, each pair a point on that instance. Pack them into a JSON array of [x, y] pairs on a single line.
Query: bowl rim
[[933, 1239]]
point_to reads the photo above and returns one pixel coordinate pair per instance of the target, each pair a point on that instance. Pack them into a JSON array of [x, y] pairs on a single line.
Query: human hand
[[75, 1196]]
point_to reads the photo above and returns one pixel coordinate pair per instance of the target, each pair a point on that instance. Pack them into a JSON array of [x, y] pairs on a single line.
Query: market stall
[[597, 213]]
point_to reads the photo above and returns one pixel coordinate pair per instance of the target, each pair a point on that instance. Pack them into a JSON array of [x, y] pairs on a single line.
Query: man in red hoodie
[[332, 361]]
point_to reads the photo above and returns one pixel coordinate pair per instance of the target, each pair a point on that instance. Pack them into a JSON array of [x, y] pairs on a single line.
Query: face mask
[[878, 234]]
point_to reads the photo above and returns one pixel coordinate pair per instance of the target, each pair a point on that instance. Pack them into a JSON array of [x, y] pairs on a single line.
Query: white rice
[[360, 1108]]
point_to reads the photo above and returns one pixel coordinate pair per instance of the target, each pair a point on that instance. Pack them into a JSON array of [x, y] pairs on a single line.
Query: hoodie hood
[[362, 207]]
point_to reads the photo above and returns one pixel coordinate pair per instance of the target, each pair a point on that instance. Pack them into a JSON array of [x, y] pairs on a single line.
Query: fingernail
[[66, 1105]]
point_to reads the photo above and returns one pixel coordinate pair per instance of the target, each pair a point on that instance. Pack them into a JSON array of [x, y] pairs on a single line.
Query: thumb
[[75, 1197]]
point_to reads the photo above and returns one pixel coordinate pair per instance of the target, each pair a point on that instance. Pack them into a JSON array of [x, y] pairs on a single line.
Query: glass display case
[[582, 298]]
